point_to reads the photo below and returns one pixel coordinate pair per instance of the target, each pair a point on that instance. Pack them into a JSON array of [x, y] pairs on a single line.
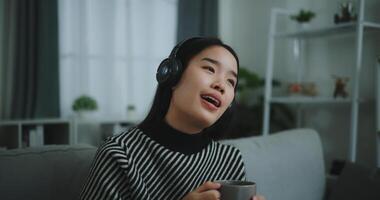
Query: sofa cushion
[[288, 165], [48, 172]]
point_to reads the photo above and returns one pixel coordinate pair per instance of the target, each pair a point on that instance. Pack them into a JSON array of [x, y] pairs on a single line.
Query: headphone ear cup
[[176, 71], [169, 72], [163, 71]]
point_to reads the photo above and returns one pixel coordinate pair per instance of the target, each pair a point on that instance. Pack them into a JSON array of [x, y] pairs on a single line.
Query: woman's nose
[[218, 86]]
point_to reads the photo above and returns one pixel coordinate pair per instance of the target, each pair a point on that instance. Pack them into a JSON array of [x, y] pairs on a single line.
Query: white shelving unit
[[308, 100], [37, 132], [94, 131], [19, 133], [357, 29]]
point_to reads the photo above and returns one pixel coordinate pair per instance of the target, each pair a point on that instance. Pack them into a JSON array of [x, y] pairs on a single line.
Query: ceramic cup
[[237, 190]]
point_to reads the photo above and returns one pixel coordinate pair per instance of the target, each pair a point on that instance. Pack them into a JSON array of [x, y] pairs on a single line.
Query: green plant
[[84, 102], [250, 81], [131, 107], [303, 16], [248, 118]]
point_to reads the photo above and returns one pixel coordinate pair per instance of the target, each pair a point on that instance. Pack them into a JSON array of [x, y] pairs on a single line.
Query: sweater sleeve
[[107, 178]]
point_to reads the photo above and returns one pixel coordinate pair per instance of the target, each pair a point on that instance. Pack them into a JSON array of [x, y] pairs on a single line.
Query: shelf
[[372, 25], [328, 31], [8, 137], [104, 121], [308, 100], [35, 121], [34, 132], [355, 29]]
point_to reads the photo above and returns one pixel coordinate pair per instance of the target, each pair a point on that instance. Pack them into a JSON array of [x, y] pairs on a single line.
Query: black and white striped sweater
[[159, 163]]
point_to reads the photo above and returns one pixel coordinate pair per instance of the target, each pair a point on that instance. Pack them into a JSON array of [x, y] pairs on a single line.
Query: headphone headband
[[173, 53]]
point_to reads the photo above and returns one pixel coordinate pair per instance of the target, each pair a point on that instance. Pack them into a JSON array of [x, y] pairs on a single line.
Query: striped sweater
[[138, 164]]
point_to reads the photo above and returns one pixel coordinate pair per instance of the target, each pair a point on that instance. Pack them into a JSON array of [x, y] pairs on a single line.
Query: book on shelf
[[32, 137], [36, 136]]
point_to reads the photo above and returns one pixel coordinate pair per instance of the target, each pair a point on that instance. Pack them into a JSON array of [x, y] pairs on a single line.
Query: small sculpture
[[304, 88], [340, 86], [347, 13], [295, 88], [309, 89]]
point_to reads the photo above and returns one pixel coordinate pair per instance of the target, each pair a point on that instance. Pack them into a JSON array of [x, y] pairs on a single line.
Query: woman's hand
[[207, 191], [258, 197]]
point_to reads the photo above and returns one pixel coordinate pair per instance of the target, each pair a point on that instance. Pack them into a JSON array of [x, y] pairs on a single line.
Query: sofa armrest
[[288, 165]]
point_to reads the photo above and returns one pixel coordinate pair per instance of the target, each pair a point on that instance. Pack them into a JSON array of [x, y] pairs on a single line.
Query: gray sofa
[[286, 166]]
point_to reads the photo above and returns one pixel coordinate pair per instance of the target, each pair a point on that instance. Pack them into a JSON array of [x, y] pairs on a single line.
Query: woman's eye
[[232, 82], [208, 68]]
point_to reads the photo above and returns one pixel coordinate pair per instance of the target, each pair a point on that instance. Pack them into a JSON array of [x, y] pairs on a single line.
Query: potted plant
[[303, 17], [84, 105], [248, 82], [131, 112]]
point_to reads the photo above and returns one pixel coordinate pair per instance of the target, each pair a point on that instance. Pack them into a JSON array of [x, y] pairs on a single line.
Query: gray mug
[[236, 190]]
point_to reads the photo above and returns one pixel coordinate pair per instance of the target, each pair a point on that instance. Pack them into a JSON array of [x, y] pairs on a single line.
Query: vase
[[303, 26], [131, 115], [85, 114]]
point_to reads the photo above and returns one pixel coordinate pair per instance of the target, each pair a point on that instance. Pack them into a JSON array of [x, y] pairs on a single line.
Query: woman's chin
[[206, 121]]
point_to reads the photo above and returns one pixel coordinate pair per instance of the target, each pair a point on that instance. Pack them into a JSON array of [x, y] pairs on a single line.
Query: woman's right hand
[[207, 191]]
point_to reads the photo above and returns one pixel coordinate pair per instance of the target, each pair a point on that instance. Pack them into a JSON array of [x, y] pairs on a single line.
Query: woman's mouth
[[211, 101]]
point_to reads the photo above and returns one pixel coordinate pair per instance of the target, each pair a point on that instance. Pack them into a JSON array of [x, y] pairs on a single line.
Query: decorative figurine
[[347, 13], [294, 88], [309, 89], [340, 86], [303, 88]]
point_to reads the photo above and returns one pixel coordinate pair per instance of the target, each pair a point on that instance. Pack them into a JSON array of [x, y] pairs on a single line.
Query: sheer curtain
[[110, 50]]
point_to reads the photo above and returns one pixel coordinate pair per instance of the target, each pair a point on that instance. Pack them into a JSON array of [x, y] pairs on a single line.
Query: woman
[[170, 154]]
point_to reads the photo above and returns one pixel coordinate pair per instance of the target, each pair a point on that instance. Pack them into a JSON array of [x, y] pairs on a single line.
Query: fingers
[[207, 186], [211, 195], [258, 197], [207, 191]]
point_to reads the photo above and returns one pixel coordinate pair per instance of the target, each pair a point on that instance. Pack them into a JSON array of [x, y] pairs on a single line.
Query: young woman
[[170, 155]]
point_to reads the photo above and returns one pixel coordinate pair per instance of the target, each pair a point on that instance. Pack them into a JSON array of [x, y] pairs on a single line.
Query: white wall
[[244, 24]]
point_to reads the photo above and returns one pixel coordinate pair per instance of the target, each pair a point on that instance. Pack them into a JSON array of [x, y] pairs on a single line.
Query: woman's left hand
[[258, 197]]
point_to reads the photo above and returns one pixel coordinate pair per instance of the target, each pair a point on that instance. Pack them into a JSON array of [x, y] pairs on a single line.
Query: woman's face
[[205, 91]]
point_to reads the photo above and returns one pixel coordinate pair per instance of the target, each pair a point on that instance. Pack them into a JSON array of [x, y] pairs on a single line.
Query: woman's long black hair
[[189, 49]]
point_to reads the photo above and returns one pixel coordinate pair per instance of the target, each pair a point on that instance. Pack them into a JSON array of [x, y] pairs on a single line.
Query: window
[[110, 50]]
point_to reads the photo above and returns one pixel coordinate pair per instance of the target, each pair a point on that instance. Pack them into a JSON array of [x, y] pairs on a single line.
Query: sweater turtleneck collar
[[176, 140]]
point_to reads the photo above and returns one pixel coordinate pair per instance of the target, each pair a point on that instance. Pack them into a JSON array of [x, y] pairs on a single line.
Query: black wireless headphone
[[170, 69]]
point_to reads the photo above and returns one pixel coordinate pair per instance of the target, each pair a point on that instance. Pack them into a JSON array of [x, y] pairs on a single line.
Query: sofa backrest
[[49, 172], [288, 165]]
